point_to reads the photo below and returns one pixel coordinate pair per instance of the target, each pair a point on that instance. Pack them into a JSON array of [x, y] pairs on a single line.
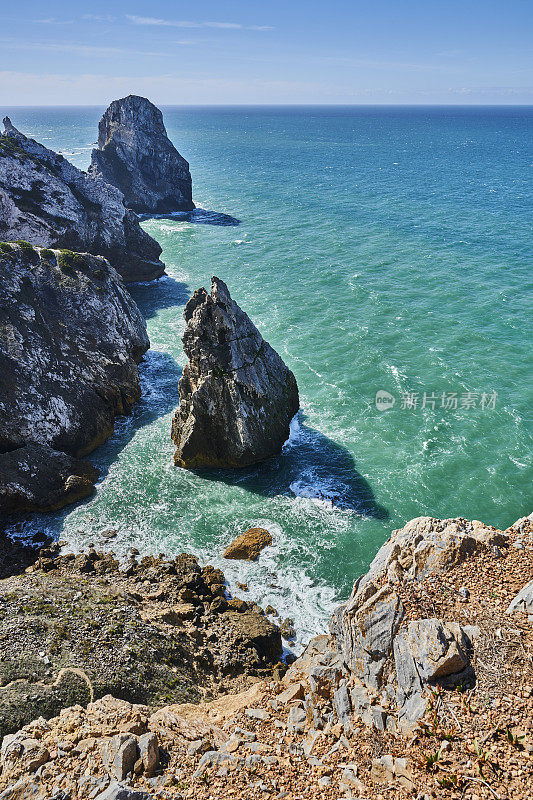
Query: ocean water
[[378, 250]]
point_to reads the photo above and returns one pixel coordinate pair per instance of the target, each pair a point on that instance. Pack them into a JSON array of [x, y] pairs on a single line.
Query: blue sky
[[295, 51]]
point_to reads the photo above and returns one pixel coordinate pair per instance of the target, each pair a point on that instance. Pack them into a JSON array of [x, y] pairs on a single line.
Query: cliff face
[[47, 201], [135, 154], [70, 340], [237, 397]]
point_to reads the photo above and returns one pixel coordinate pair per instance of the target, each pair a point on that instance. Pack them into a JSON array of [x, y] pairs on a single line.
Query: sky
[[241, 52]]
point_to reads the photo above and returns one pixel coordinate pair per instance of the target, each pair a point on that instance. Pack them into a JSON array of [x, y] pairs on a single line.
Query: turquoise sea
[[377, 249]]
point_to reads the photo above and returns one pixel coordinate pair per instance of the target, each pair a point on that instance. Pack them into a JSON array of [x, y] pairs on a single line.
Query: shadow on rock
[[311, 466], [199, 216]]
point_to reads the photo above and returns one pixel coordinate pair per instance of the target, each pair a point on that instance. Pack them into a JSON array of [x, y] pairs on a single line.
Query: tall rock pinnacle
[[237, 397], [135, 155]]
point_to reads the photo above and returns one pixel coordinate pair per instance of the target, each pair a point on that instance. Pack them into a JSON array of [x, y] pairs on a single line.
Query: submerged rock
[[47, 201], [237, 397], [248, 545], [135, 155], [70, 340]]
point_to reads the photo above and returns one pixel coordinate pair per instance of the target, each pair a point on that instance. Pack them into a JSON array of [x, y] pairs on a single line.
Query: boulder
[[248, 546], [135, 155], [237, 397], [47, 201], [70, 340]]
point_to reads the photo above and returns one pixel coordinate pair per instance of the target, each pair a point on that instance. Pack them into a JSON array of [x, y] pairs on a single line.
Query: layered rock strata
[[71, 337], [135, 155], [47, 201], [237, 397]]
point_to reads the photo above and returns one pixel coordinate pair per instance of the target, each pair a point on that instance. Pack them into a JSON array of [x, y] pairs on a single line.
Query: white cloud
[[171, 23], [79, 49]]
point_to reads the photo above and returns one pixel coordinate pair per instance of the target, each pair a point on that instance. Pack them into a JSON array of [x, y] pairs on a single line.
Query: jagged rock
[[117, 791], [523, 601], [70, 340], [119, 754], [47, 201], [248, 546], [20, 754], [237, 397], [37, 478], [135, 155]]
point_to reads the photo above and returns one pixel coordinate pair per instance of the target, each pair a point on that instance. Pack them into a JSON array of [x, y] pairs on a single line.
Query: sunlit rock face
[[47, 201], [135, 155], [237, 397]]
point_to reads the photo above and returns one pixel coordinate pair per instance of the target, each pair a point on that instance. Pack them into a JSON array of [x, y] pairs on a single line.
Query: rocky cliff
[[47, 201], [70, 340], [237, 397], [330, 728], [135, 154]]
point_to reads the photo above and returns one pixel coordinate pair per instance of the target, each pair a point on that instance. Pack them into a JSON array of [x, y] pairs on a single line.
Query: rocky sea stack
[[135, 155], [47, 201], [70, 340], [237, 397]]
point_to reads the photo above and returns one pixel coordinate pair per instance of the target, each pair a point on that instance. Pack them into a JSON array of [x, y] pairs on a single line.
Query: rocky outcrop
[[165, 630], [70, 340], [135, 155], [237, 397], [37, 478], [248, 545], [47, 201], [381, 647]]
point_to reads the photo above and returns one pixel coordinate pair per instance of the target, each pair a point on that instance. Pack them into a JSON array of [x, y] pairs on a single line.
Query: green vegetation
[[68, 261]]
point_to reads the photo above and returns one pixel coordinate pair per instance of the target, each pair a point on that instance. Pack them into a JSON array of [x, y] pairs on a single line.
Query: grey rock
[[70, 342], [296, 719], [119, 754], [258, 713], [523, 601], [237, 397], [149, 752], [341, 701], [37, 478], [117, 791], [47, 201], [135, 155], [214, 758]]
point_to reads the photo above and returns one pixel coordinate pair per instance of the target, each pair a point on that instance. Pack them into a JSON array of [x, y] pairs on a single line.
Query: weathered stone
[[47, 201], [382, 770], [70, 342], [296, 691], [341, 702], [214, 758], [119, 755], [248, 546], [21, 754], [296, 719], [149, 752], [237, 397], [523, 601], [115, 791], [135, 155]]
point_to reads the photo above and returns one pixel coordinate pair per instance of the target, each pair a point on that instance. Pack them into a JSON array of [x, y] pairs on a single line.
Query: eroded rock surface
[[70, 340], [47, 201], [135, 155], [248, 545], [237, 397]]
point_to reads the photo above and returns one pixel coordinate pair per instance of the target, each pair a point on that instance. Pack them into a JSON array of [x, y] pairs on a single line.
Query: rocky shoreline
[[334, 725], [144, 678]]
